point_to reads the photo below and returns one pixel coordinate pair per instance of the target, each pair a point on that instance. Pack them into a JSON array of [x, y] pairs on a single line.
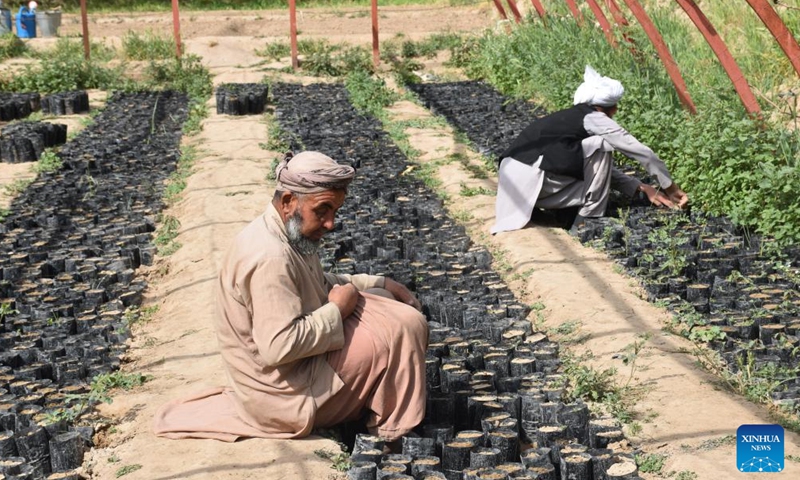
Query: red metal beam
[[176, 28], [537, 4], [721, 51], [604, 24], [616, 12], [85, 26], [376, 55], [293, 32], [778, 30], [500, 9], [663, 53], [513, 6], [573, 7]]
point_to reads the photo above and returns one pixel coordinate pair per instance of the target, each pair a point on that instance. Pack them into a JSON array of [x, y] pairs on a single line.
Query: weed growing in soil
[[368, 94], [467, 191], [11, 46], [103, 384], [340, 461], [4, 212], [651, 463], [686, 475], [127, 469], [165, 239], [274, 50], [139, 315], [49, 162], [176, 183], [6, 310], [147, 46], [17, 186]]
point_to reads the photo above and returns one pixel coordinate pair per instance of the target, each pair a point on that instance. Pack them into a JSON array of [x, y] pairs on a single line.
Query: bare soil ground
[[683, 413]]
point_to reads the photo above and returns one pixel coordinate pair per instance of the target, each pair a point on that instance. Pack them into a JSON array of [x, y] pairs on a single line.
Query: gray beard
[[298, 241]]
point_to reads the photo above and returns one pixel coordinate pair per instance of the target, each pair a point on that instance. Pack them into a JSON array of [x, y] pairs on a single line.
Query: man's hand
[[401, 293], [677, 195], [345, 297], [656, 197]]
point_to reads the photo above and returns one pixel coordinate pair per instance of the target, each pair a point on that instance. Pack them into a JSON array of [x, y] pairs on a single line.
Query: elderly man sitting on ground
[[304, 348]]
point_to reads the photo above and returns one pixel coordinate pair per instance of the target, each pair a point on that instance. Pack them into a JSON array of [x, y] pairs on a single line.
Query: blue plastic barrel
[[26, 23], [5, 21]]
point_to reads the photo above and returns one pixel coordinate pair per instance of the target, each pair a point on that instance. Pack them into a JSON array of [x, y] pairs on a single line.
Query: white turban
[[597, 90]]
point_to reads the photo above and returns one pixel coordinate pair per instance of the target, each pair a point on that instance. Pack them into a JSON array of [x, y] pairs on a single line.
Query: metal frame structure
[[604, 23]]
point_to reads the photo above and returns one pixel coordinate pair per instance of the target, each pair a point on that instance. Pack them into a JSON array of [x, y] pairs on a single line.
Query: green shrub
[[147, 46], [369, 94], [11, 46]]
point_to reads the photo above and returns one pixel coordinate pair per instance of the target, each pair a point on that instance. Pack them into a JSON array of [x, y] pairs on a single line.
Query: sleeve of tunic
[[282, 332], [361, 281], [624, 183], [598, 123]]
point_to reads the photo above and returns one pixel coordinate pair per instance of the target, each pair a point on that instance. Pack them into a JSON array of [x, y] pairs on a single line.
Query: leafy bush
[[332, 60], [369, 94], [11, 46], [147, 46]]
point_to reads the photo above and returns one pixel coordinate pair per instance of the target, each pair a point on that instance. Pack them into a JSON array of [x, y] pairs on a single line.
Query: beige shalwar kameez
[[291, 359]]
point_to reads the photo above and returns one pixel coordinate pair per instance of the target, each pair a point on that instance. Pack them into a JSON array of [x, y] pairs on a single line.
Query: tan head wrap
[[598, 90], [312, 172]]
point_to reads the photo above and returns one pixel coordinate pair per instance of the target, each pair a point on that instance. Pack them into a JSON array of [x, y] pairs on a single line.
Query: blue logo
[[759, 448]]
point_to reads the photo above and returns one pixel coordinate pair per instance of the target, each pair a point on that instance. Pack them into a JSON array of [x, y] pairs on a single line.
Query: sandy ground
[[682, 414]]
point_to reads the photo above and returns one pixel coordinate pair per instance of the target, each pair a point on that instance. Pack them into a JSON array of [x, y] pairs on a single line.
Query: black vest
[[558, 138]]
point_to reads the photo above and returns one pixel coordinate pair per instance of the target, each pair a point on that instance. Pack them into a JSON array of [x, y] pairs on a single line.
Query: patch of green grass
[[718, 442], [17, 186], [651, 463], [369, 94], [103, 384], [147, 46], [49, 162], [165, 238], [4, 212], [176, 183], [462, 216], [11, 46], [139, 315], [467, 191], [274, 50], [686, 475], [124, 470]]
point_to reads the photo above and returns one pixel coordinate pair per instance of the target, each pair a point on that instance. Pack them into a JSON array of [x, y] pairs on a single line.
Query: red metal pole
[[573, 7], [601, 17], [376, 55], [293, 32], [663, 53], [85, 25], [778, 30], [500, 9], [176, 27], [721, 51], [513, 6], [537, 4], [619, 17]]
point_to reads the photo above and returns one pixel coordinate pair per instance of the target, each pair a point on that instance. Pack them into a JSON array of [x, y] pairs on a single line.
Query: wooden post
[[573, 7], [293, 32], [721, 51], [616, 12], [85, 25], [778, 30], [663, 53], [376, 55], [500, 9], [176, 28], [537, 4], [514, 10], [604, 24]]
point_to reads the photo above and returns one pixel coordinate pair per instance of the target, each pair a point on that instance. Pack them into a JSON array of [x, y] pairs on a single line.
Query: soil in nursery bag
[[69, 250]]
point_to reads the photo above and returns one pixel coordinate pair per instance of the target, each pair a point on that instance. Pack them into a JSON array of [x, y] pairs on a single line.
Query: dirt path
[[683, 414]]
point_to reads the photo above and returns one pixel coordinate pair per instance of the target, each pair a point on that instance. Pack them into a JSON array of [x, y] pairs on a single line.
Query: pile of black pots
[[25, 141], [709, 272], [14, 106], [68, 254], [66, 103], [495, 405], [241, 98]]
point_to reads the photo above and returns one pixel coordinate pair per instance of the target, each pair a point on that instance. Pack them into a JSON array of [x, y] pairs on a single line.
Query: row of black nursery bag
[[495, 406], [700, 265], [69, 250], [15, 106]]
